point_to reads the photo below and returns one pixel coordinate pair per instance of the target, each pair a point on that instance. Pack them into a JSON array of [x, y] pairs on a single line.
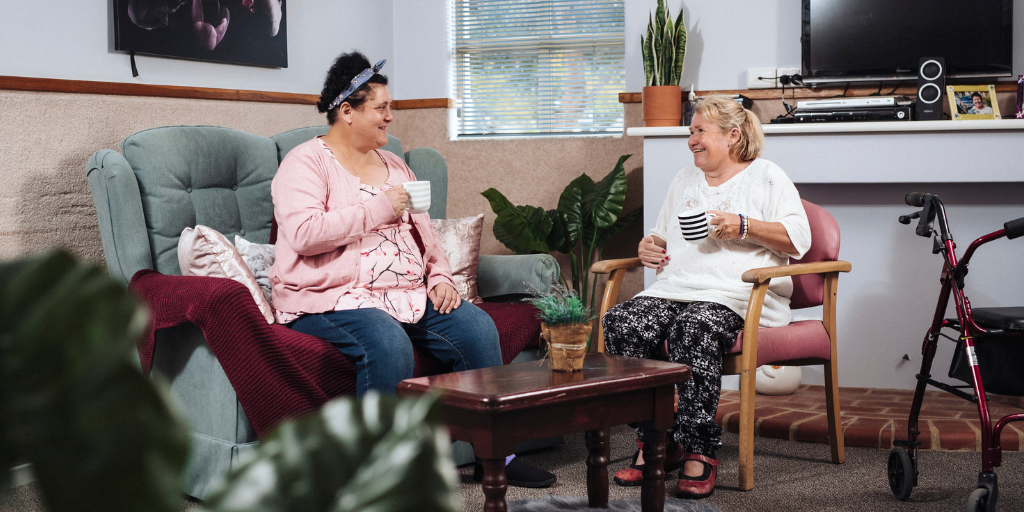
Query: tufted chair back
[[209, 175]]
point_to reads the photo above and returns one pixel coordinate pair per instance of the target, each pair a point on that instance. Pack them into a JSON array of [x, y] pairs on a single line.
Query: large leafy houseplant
[[102, 436], [663, 48], [588, 214]]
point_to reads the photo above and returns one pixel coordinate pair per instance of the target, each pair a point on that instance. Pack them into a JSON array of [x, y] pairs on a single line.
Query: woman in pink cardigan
[[353, 266], [356, 268]]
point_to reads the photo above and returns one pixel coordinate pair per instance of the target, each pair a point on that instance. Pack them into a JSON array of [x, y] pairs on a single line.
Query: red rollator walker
[[989, 355]]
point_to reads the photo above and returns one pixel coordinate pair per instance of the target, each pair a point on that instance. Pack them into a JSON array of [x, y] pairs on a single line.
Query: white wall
[[74, 40]]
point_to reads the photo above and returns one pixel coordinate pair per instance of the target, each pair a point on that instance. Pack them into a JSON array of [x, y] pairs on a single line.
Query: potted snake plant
[[664, 51]]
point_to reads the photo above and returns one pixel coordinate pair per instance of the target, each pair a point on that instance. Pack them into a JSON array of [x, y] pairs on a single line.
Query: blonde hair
[[727, 114]]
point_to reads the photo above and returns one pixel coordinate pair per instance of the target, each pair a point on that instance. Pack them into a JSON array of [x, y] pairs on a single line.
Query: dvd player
[[851, 103], [853, 114]]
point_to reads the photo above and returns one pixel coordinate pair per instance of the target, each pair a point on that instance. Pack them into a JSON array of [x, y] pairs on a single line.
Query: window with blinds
[[539, 67]]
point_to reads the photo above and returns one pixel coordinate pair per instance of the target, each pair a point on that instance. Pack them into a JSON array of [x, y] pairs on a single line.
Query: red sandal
[[697, 487], [634, 474]]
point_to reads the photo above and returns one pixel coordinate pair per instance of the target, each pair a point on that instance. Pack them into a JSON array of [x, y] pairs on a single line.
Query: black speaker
[[931, 82]]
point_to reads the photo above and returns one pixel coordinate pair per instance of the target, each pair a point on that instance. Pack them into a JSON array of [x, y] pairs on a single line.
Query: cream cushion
[[203, 251]]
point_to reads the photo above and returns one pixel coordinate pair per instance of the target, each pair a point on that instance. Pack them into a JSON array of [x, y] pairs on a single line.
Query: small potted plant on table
[[565, 326]]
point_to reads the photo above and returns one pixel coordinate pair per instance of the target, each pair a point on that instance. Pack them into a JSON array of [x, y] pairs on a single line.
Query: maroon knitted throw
[[277, 372]]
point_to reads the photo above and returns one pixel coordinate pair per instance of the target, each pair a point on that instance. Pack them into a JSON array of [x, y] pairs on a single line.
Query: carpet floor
[[788, 475]]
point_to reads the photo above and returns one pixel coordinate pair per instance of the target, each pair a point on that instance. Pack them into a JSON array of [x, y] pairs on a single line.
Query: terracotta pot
[[663, 105], [567, 345]]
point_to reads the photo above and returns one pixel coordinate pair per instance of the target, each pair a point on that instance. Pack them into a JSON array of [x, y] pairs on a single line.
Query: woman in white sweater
[[698, 300]]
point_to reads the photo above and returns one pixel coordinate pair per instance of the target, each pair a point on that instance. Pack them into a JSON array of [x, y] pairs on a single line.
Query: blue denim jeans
[[381, 347]]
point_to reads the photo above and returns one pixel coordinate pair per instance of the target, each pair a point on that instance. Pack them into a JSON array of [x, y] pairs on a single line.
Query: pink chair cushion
[[805, 339], [807, 289]]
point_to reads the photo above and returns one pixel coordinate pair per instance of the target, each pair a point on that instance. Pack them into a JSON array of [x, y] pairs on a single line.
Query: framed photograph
[[248, 32], [973, 102]]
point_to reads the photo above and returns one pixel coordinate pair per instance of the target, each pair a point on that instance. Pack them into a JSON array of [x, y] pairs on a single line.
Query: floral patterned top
[[392, 274]]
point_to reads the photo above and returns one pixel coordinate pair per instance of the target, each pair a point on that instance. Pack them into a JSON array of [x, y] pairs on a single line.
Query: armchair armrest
[[502, 275], [617, 268], [607, 266], [761, 275]]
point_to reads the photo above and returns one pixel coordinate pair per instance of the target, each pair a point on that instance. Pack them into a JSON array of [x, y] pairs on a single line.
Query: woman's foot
[[634, 474], [697, 478]]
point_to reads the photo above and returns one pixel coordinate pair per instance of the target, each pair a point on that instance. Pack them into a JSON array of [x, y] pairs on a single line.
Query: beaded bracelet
[[744, 227]]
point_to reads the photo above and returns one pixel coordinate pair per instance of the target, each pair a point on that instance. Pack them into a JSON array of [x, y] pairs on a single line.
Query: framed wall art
[[972, 102], [248, 32]]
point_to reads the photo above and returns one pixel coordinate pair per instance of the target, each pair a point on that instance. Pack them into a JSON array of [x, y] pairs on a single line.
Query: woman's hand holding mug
[[724, 225], [399, 199]]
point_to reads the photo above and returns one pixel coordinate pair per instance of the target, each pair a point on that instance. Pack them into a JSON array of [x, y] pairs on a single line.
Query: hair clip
[[356, 83]]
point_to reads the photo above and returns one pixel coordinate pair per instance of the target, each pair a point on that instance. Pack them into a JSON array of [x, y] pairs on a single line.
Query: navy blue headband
[[356, 83]]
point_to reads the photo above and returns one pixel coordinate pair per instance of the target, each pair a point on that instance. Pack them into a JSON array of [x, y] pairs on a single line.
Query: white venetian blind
[[539, 67]]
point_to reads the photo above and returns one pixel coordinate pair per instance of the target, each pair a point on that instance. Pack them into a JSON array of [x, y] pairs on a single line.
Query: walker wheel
[[901, 473], [978, 500]]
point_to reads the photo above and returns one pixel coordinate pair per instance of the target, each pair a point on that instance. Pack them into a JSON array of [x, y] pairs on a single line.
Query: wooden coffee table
[[494, 408]]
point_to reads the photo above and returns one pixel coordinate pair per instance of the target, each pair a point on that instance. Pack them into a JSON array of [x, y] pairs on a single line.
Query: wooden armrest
[[760, 275], [606, 266]]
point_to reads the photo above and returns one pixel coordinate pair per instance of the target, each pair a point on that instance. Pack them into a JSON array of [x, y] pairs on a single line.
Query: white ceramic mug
[[695, 225], [419, 196]]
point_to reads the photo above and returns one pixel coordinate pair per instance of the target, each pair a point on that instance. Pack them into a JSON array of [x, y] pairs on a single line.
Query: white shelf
[[852, 127]]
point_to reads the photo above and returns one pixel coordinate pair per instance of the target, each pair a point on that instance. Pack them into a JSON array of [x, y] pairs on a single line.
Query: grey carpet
[[787, 476]]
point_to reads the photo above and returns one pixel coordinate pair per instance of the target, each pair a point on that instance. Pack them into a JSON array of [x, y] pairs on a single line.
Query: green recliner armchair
[[169, 178]]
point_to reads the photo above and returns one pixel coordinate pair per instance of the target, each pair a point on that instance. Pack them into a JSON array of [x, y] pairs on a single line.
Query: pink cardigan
[[320, 218]]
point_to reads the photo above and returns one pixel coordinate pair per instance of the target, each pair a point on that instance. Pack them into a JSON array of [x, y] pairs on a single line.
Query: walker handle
[[917, 198], [1014, 228]]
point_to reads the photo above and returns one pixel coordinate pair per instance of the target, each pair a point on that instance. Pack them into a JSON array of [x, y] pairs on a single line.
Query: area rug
[[564, 503]]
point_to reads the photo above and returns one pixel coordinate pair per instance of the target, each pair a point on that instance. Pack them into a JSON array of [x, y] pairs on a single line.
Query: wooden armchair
[[801, 343]]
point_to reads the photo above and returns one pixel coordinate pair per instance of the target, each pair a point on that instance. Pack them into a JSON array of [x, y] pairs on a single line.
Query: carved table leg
[[495, 485], [652, 492], [597, 467]]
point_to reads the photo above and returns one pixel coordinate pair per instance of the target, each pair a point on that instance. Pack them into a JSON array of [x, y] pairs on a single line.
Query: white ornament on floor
[[777, 380]]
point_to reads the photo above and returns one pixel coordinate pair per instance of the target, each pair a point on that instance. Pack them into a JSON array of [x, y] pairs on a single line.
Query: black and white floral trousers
[[698, 334]]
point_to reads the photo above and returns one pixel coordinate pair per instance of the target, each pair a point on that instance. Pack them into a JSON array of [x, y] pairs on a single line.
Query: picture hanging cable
[[135, 70]]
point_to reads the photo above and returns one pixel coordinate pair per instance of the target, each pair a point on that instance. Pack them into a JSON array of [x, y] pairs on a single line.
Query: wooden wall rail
[[17, 83], [808, 93]]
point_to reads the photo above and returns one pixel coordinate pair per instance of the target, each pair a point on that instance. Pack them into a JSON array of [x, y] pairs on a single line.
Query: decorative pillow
[[205, 252], [460, 239], [259, 258]]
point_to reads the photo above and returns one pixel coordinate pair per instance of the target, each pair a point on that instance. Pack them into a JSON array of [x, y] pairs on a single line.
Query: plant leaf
[[679, 48], [377, 453], [570, 205], [523, 229], [647, 52], [556, 237], [667, 51], [99, 434], [622, 223], [608, 196]]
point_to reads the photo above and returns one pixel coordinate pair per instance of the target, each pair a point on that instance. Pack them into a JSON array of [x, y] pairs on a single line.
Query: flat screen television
[[884, 40]]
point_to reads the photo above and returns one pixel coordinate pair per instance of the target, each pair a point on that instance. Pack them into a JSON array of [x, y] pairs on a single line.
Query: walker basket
[[1000, 359]]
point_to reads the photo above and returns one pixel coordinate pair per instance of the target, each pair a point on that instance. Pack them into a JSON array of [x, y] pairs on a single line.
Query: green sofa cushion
[[215, 176]]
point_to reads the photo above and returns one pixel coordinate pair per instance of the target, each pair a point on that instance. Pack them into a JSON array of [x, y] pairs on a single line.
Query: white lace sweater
[[710, 271]]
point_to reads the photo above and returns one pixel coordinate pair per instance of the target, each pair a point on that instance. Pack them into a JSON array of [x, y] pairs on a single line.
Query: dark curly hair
[[345, 68]]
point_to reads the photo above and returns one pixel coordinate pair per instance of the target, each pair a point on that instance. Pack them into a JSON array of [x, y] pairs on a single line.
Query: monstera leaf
[[523, 229], [588, 214], [377, 454], [99, 434]]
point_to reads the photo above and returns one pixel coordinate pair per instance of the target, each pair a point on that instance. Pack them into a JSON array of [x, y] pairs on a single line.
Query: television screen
[[862, 40]]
